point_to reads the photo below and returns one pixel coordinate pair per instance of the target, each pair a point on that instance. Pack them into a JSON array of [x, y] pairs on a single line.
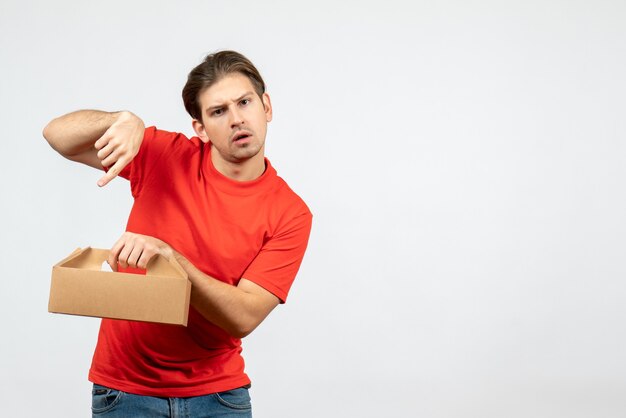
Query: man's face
[[234, 120]]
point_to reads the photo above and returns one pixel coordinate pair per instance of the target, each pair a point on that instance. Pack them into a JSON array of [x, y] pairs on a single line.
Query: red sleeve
[[276, 265]]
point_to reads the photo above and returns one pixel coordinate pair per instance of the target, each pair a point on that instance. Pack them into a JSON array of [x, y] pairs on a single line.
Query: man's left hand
[[136, 250]]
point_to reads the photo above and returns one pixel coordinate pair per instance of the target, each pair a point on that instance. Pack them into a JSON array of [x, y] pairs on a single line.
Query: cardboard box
[[80, 287]]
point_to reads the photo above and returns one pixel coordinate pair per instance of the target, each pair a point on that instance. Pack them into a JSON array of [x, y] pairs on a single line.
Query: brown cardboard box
[[80, 287]]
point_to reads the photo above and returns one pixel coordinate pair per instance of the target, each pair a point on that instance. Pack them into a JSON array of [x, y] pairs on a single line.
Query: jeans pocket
[[236, 399], [104, 399]]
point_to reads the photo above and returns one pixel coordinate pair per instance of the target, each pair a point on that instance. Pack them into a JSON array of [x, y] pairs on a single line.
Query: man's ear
[[267, 106], [198, 127]]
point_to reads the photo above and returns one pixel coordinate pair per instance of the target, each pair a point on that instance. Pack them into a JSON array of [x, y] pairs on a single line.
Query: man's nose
[[236, 119]]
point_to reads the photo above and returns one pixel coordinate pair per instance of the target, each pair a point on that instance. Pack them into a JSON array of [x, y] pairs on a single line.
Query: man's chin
[[246, 152]]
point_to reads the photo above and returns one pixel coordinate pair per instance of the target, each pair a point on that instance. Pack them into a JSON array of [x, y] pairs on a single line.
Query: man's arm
[[237, 310], [98, 139]]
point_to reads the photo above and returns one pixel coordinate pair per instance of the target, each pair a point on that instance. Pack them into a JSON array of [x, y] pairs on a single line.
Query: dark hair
[[214, 67]]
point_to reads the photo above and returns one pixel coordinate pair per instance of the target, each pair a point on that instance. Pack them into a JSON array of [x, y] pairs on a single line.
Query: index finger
[[111, 173], [114, 253]]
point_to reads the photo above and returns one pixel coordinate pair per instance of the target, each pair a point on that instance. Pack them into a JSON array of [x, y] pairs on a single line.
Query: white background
[[464, 161]]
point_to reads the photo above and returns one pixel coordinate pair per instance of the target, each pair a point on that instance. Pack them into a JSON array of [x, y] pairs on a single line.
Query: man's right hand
[[119, 145], [99, 139]]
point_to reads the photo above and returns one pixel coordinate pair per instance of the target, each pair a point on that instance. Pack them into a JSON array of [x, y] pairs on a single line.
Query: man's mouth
[[241, 135]]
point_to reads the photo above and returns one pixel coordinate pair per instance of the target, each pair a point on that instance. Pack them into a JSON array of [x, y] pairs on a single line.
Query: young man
[[216, 205]]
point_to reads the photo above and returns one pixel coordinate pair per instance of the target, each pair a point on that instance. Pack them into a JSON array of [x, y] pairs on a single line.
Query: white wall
[[464, 161]]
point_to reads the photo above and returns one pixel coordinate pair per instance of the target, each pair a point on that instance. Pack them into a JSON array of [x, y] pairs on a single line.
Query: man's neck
[[250, 169]]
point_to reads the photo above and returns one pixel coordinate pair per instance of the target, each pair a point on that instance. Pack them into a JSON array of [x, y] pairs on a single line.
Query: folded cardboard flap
[[80, 287]]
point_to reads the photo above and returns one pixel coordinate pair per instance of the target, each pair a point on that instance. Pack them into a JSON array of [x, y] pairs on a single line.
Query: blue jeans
[[111, 403]]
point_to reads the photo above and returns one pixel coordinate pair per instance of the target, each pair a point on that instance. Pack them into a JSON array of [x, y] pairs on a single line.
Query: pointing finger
[[110, 175]]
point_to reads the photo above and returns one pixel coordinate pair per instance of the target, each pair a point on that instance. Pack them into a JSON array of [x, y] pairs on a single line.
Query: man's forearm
[[233, 309], [76, 132], [98, 139]]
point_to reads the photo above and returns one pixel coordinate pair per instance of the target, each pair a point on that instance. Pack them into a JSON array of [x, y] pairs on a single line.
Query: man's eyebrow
[[220, 105]]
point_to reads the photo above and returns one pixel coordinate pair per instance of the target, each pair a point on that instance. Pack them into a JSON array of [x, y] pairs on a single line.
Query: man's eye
[[245, 101], [217, 112]]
